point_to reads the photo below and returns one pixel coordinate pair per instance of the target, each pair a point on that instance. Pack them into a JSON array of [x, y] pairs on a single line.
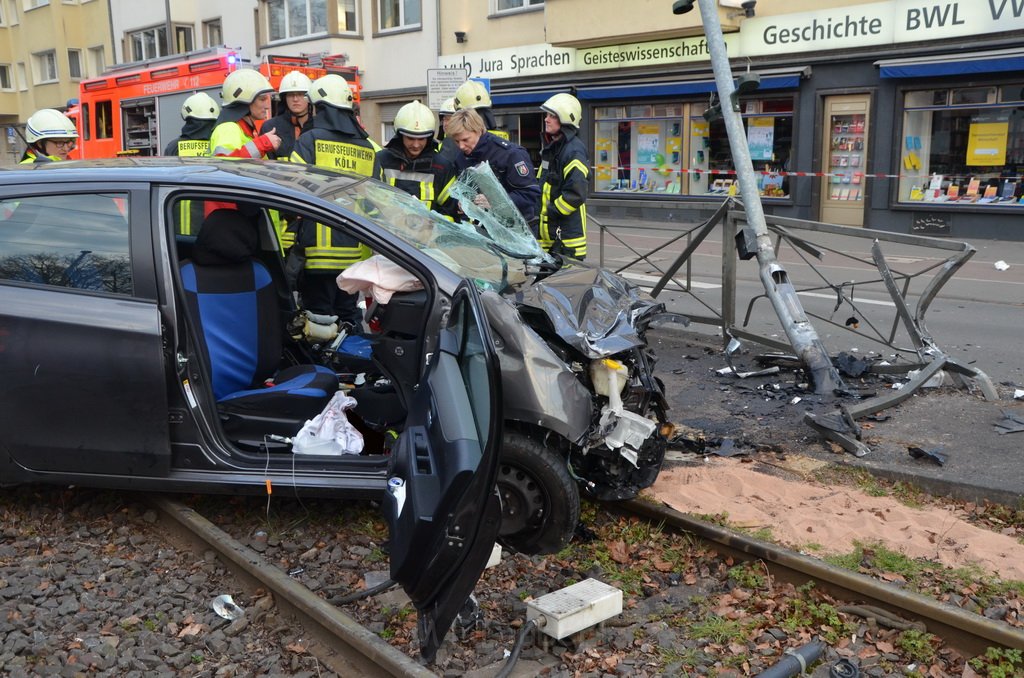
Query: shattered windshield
[[469, 250]]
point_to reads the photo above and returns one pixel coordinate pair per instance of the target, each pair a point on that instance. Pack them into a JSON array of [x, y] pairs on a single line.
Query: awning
[[770, 79], [970, 63]]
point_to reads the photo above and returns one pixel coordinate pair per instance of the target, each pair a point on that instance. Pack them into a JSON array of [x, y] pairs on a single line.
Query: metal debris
[[933, 454], [1010, 423]]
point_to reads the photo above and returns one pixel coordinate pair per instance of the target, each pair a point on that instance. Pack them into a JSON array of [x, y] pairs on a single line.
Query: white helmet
[[565, 107], [415, 120], [243, 86], [296, 81], [200, 106], [47, 123], [333, 90], [472, 94], [447, 106]]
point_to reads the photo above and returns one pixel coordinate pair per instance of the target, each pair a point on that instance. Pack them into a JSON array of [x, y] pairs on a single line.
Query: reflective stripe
[[562, 206], [576, 164], [401, 175]]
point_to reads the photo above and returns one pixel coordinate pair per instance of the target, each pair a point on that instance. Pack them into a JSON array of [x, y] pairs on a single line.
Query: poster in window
[[986, 140], [648, 141], [761, 138]]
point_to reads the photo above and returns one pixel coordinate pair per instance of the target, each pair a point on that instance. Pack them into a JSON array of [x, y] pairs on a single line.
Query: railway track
[[350, 649]]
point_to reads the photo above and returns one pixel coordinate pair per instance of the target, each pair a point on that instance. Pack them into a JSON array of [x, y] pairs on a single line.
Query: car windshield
[[491, 255]]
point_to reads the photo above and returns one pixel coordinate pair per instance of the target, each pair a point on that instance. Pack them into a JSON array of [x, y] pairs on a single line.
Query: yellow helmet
[[472, 94], [565, 107], [243, 86], [333, 90], [296, 81], [200, 106], [48, 123], [447, 106], [415, 120]]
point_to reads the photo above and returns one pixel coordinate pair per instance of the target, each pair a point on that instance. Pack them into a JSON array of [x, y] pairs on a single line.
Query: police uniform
[[428, 177], [564, 175], [511, 164]]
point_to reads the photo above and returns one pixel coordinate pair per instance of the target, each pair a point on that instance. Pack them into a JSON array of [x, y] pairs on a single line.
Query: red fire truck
[[136, 109]]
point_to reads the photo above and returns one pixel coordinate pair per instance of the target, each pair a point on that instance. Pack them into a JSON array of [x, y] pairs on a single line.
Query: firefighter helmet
[[200, 106], [48, 123], [295, 81], [243, 86], [565, 107], [472, 94], [333, 90], [415, 120], [447, 107]]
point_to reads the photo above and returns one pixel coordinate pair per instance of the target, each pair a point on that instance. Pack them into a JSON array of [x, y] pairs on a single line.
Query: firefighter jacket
[[336, 141], [30, 156], [511, 165], [194, 139], [288, 128], [428, 177], [235, 137], [564, 175]]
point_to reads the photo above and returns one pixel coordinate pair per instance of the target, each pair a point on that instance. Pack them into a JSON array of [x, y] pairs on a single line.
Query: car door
[[442, 507], [84, 387]]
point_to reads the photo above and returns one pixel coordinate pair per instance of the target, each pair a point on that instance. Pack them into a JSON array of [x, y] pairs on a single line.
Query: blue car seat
[[233, 298]]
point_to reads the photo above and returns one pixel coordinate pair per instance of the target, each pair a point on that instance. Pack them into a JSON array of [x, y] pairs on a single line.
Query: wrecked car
[[146, 349]]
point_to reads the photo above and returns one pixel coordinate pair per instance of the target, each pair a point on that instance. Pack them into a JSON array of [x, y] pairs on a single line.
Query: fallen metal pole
[[802, 335]]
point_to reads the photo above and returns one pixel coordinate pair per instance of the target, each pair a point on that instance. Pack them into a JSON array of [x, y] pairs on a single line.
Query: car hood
[[593, 310]]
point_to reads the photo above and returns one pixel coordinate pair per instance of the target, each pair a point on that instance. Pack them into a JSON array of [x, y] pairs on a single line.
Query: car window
[[79, 241]]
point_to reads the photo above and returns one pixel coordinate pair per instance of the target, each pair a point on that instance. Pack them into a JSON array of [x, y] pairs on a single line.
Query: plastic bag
[[330, 432]]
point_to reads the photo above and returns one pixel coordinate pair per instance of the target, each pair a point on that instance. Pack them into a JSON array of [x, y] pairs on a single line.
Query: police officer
[[411, 161], [297, 116], [200, 113], [246, 96], [51, 137], [564, 175], [473, 94], [509, 161], [336, 140]]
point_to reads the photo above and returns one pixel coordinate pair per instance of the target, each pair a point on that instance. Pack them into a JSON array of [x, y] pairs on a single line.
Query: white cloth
[[381, 276], [330, 432]]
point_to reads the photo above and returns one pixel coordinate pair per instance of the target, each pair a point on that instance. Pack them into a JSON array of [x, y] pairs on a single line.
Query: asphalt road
[[977, 318]]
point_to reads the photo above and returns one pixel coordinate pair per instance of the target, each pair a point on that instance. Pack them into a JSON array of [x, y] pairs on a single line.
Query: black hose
[[506, 671], [365, 593], [796, 662]]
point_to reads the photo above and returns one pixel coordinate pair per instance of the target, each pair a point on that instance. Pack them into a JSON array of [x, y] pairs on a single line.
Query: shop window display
[[673, 150], [963, 146]]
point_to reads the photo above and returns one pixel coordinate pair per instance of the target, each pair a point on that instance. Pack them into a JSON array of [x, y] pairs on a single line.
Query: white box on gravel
[[575, 607], [495, 557]]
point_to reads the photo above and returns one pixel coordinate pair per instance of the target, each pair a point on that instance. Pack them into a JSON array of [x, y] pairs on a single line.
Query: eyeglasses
[[67, 143]]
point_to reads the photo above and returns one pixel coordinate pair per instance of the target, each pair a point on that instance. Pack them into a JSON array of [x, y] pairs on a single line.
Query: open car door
[[442, 506]]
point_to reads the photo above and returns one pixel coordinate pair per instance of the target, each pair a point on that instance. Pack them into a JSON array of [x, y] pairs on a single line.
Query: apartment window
[[45, 66], [148, 43], [396, 14], [213, 33], [32, 4], [347, 16], [97, 61], [12, 12], [296, 18], [515, 5], [3, 13], [5, 77], [183, 39], [75, 63]]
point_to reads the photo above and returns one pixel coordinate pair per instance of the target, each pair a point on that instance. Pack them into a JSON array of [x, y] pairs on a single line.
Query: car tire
[[540, 502]]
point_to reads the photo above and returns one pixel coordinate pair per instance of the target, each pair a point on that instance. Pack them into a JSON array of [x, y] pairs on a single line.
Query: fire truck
[[136, 109]]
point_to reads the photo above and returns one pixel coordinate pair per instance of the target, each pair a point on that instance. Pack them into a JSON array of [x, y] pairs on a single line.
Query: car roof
[[262, 175]]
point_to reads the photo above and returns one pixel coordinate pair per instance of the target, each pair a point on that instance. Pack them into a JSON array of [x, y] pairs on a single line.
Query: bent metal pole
[[802, 335]]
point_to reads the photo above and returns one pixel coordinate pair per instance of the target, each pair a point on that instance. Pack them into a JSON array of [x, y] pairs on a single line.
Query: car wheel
[[540, 503]]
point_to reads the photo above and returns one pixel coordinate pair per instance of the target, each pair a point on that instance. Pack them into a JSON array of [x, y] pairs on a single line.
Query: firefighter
[[411, 161], [445, 146], [297, 116], [50, 135], [200, 113], [246, 96], [564, 177], [337, 141], [509, 161], [473, 94]]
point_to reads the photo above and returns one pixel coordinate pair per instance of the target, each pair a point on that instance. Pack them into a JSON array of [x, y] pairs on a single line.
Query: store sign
[[661, 52], [512, 62], [879, 23]]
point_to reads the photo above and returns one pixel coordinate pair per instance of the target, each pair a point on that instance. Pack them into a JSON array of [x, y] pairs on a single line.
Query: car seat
[[232, 298]]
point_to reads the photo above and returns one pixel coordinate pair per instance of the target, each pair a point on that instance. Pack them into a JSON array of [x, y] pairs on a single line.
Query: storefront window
[[963, 146], [672, 149]]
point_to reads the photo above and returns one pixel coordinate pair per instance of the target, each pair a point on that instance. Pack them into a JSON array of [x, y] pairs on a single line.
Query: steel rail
[[968, 633], [350, 648]]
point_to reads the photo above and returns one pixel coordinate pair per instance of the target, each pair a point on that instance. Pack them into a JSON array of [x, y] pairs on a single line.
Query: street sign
[[442, 83]]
